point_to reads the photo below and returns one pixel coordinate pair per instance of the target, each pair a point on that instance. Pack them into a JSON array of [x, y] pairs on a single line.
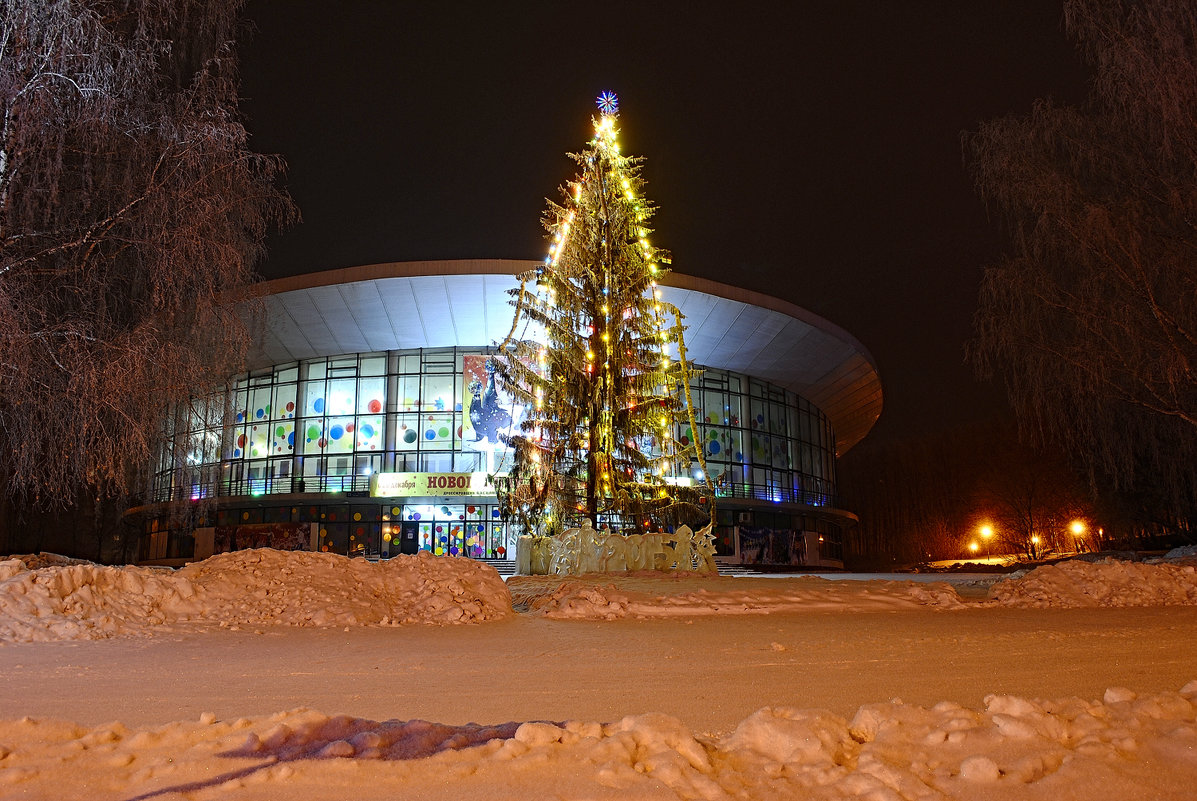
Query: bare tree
[[1030, 496], [1093, 318], [912, 496], [924, 498], [131, 216]]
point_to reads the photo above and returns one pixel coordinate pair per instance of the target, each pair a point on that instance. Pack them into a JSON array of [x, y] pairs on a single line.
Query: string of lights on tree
[[604, 378]]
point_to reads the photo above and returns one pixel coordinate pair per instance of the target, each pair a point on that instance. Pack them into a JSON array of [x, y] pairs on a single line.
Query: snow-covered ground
[[267, 675]]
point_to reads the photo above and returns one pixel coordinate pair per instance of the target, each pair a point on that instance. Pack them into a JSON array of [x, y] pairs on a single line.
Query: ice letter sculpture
[[585, 550]]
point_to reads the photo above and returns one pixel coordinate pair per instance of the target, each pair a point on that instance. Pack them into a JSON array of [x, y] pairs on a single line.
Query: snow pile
[[657, 595], [1109, 582], [1122, 746], [88, 601], [43, 559], [1014, 748], [266, 587], [254, 587]]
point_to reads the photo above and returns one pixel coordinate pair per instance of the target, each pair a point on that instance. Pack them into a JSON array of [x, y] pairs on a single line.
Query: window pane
[[340, 435], [408, 436], [409, 393], [283, 407], [371, 394], [438, 393], [341, 395], [368, 433], [373, 365]]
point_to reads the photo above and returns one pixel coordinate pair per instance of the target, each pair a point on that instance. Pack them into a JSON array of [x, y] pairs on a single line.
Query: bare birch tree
[[1092, 320], [132, 213]]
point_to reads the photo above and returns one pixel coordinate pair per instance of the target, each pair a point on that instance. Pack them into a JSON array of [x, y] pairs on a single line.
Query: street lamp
[[1077, 527], [1035, 546], [972, 546], [987, 534]]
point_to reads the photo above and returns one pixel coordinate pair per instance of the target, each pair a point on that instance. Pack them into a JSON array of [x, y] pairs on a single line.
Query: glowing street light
[[972, 546], [1077, 527], [986, 532]]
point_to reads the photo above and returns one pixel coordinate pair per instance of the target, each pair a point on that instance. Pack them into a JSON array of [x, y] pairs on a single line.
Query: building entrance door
[[409, 537]]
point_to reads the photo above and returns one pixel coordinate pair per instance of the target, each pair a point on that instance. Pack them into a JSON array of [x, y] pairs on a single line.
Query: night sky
[[811, 153]]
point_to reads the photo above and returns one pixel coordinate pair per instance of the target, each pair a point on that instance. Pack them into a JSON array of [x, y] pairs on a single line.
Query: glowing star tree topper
[[608, 103], [605, 381]]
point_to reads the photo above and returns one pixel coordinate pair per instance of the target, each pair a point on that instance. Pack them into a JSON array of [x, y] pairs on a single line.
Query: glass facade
[[327, 425], [761, 442]]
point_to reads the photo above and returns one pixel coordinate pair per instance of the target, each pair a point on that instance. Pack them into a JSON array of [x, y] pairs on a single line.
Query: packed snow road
[[262, 675], [709, 671]]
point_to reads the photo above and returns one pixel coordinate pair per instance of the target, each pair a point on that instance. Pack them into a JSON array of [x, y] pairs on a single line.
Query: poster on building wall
[[491, 415], [765, 546], [281, 536]]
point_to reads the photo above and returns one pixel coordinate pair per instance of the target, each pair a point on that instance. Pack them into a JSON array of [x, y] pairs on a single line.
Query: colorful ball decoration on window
[[375, 406]]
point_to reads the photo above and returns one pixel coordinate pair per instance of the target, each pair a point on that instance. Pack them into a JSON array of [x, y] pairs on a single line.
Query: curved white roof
[[432, 304]]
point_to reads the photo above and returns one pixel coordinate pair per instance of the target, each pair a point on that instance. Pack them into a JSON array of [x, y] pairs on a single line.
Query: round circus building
[[368, 422]]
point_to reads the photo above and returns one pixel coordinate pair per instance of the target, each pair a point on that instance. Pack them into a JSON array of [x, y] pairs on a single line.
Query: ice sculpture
[[586, 550]]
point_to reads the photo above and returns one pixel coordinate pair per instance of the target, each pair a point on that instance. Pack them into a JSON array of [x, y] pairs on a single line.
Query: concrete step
[[729, 568], [506, 567]]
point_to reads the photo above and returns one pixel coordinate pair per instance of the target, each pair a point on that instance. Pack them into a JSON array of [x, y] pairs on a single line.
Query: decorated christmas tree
[[599, 360]]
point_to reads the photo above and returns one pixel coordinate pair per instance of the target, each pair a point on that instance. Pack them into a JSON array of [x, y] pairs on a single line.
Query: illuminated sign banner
[[405, 485]]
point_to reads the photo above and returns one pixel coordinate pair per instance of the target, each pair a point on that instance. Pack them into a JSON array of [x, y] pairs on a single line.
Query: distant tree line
[[926, 497]]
